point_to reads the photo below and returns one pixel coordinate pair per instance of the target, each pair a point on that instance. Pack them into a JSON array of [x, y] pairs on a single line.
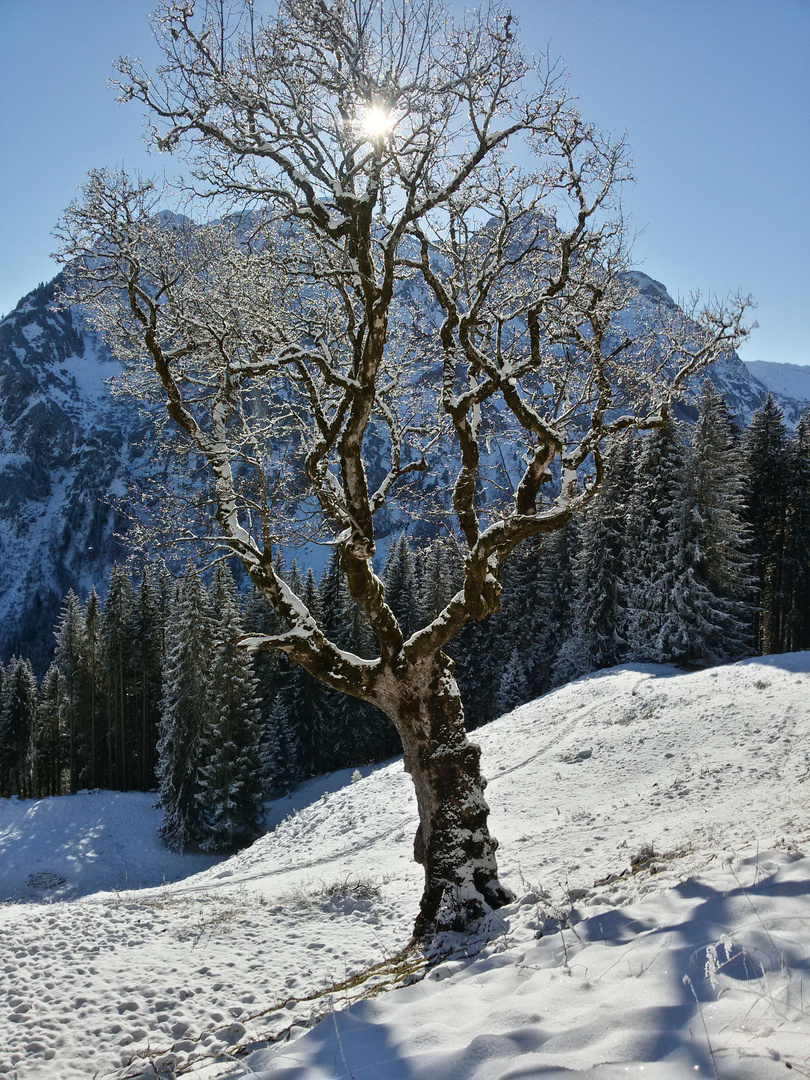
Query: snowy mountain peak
[[650, 288]]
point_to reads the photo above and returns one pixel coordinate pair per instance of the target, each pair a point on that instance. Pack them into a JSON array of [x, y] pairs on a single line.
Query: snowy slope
[[786, 380], [701, 779]]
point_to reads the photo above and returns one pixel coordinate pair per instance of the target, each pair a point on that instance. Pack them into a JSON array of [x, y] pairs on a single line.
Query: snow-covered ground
[[695, 961]]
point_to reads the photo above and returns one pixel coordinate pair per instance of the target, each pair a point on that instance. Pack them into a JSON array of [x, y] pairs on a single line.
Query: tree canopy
[[399, 262]]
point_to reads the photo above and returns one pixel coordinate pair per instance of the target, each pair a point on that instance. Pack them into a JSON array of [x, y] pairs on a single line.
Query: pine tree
[[707, 569], [185, 716], [341, 720], [91, 689], [258, 617], [513, 687], [69, 634], [18, 729], [230, 778], [796, 559], [117, 663], [284, 751], [146, 651], [224, 597], [501, 651], [373, 736], [598, 636], [717, 480], [399, 576], [764, 451], [296, 721], [553, 605], [49, 759], [164, 592], [439, 581], [655, 514]]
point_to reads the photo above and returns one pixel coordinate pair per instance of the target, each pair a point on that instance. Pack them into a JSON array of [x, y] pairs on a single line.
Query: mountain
[[786, 381], [69, 451], [745, 386], [653, 825]]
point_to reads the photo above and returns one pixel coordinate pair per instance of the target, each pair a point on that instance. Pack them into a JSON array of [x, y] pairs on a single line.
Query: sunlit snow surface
[[711, 770]]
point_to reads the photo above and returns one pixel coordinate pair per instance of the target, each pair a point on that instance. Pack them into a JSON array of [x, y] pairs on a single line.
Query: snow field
[[604, 997], [699, 779]]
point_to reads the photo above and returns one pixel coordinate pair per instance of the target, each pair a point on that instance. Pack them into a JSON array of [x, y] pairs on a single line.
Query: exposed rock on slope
[[66, 447]]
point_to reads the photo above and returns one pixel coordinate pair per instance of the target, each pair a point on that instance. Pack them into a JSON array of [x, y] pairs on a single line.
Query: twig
[[688, 982]]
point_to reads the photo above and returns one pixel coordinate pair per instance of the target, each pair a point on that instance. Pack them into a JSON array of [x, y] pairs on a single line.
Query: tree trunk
[[453, 842]]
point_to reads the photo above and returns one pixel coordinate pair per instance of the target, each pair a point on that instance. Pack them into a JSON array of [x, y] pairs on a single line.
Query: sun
[[375, 121]]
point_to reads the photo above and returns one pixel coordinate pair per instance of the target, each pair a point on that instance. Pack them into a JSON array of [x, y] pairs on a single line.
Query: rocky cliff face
[[69, 451]]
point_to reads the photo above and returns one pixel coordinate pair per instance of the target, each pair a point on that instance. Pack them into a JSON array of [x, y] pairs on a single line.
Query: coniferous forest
[[696, 551]]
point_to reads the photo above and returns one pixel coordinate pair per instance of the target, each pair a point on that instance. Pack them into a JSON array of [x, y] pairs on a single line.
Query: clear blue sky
[[714, 96]]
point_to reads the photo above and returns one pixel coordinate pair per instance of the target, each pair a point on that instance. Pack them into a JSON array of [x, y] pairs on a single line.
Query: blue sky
[[714, 96]]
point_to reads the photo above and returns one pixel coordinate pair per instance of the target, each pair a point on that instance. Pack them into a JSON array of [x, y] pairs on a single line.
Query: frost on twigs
[[361, 305]]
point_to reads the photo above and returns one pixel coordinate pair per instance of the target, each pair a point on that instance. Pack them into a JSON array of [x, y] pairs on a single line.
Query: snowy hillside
[[786, 380], [654, 825]]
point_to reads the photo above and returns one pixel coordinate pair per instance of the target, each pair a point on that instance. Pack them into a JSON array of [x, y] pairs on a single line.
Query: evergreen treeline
[[695, 551], [151, 689]]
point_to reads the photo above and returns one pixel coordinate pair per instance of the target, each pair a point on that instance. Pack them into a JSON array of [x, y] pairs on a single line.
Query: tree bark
[[453, 842]]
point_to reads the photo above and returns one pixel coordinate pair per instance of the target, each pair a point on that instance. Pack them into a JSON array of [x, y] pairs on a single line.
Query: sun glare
[[375, 121]]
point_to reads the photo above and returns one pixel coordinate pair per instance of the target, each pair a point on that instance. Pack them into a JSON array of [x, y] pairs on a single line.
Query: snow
[[91, 841], [654, 825], [787, 380], [32, 333]]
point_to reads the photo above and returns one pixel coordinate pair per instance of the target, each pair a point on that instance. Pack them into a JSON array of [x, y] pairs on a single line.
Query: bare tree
[[417, 253]]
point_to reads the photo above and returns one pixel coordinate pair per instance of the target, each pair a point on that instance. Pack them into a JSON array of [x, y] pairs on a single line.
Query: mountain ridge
[[69, 452]]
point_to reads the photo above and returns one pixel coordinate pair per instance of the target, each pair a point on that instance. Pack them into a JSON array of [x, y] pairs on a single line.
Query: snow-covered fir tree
[[92, 689], [399, 578], [69, 658], [259, 618], [598, 635], [707, 579], [342, 725], [513, 688], [764, 451], [796, 570], [117, 661], [18, 729], [554, 609], [284, 752], [439, 579], [654, 517], [147, 646], [229, 776], [186, 713], [49, 758]]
